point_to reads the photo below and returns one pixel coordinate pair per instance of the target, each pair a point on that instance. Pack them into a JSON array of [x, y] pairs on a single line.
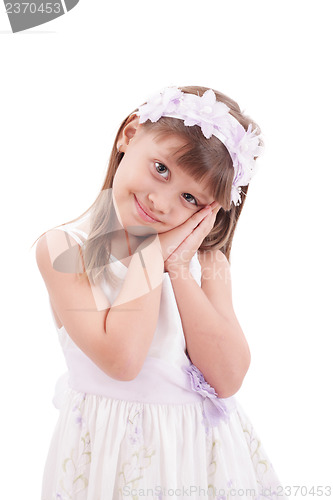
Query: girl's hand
[[181, 243]]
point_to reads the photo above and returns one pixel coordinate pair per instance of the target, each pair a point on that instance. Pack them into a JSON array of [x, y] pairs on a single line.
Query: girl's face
[[150, 190]]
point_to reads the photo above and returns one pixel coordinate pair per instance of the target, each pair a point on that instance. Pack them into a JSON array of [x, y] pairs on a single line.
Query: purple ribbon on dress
[[215, 408]]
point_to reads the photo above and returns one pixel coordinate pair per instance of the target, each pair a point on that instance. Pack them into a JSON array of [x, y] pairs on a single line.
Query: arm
[[214, 338], [132, 319], [115, 338]]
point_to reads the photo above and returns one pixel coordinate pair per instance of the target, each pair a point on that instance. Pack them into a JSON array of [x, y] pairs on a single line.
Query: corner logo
[[25, 15]]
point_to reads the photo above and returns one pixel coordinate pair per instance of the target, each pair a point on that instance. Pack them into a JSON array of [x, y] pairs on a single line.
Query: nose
[[159, 203]]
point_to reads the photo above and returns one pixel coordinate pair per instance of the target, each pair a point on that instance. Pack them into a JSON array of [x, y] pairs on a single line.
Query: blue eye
[[188, 197], [161, 169]]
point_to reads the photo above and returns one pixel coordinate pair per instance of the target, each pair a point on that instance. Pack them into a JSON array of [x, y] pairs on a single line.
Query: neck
[[124, 240]]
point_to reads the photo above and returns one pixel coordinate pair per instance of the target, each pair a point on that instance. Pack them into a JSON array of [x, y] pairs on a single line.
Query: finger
[[215, 206], [198, 216], [209, 220], [180, 233], [204, 227], [194, 239], [198, 234], [192, 222]]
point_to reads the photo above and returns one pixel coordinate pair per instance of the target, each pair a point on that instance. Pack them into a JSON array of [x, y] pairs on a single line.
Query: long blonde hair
[[204, 159]]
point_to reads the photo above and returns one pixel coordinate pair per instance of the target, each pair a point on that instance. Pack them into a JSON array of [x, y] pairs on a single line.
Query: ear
[[128, 133]]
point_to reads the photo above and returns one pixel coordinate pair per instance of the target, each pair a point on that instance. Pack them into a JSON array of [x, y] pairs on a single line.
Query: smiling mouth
[[142, 212]]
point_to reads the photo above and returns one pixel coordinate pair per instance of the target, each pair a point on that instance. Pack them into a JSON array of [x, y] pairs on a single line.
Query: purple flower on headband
[[248, 147], [206, 112], [215, 408], [160, 104], [244, 150]]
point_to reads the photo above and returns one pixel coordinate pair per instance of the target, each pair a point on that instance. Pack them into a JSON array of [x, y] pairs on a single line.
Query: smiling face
[[150, 190]]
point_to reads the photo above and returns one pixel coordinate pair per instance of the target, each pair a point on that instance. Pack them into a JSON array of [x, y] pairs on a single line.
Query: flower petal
[[189, 122], [208, 98], [207, 129]]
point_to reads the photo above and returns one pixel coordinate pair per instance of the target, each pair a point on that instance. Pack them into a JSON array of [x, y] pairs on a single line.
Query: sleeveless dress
[[163, 435]]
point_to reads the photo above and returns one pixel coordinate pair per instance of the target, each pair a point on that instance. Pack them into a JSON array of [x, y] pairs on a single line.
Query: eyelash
[[159, 173]]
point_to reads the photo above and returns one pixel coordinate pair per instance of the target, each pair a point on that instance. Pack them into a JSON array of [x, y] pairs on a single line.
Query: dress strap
[[73, 232]]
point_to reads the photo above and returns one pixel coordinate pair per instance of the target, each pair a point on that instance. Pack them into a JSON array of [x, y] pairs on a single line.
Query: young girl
[[140, 292]]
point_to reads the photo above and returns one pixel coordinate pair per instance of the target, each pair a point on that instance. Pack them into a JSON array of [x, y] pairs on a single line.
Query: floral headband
[[213, 118]]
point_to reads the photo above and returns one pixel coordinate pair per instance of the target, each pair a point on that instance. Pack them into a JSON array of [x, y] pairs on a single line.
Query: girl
[[140, 292]]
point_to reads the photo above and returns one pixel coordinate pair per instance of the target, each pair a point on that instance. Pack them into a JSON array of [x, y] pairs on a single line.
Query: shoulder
[[56, 250]]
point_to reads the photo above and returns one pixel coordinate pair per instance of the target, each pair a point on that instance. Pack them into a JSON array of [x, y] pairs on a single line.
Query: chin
[[141, 230]]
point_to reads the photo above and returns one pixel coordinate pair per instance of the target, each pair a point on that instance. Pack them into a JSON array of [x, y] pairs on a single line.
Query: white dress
[[163, 435]]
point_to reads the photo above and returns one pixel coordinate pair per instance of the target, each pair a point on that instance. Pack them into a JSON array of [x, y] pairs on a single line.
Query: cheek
[[120, 193], [121, 181], [117, 180], [128, 177]]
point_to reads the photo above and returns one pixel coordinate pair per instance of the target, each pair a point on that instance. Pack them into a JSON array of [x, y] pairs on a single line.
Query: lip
[[144, 212]]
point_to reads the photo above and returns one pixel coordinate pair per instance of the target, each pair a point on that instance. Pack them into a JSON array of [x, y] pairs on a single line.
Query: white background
[[65, 88]]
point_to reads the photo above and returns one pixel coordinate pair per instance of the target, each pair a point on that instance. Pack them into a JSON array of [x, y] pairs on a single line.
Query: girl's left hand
[[182, 255]]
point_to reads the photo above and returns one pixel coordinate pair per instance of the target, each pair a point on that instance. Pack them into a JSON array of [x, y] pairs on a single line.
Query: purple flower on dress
[[215, 408], [136, 435], [78, 410], [79, 420], [198, 381]]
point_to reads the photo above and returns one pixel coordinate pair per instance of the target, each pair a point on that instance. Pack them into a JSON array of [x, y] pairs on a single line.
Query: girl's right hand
[[171, 240]]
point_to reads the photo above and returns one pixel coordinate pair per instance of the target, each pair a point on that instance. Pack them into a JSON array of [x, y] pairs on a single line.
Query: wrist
[[178, 271], [152, 261]]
